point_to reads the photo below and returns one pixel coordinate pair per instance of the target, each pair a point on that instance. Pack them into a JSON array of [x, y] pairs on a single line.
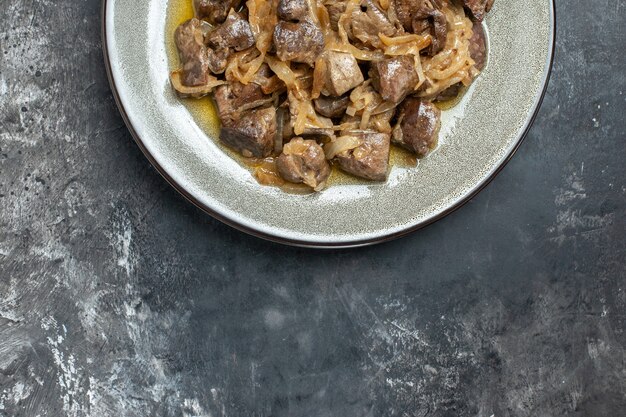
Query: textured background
[[119, 298]]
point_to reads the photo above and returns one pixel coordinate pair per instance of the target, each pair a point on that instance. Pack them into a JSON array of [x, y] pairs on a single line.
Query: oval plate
[[478, 136]]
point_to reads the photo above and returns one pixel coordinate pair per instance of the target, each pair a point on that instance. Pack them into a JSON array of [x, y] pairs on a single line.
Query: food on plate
[[303, 86]]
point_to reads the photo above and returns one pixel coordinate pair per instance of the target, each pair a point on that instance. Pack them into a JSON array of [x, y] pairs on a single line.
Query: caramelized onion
[[195, 92], [341, 144], [282, 71], [302, 82]]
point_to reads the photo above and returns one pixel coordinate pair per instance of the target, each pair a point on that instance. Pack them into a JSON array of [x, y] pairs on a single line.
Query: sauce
[[179, 12], [400, 157]]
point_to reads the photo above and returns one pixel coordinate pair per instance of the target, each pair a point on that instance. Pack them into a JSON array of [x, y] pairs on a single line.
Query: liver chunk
[[342, 73], [235, 34], [332, 106], [235, 98], [297, 37], [433, 22], [478, 8], [424, 18], [252, 134], [292, 10], [214, 11], [370, 160], [299, 42], [478, 46], [367, 21], [418, 126], [189, 38], [394, 78], [303, 161]]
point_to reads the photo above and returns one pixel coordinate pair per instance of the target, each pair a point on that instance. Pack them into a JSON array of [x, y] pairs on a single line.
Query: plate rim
[[385, 237]]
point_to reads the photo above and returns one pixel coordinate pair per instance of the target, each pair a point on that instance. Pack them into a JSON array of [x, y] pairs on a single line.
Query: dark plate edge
[[339, 245]]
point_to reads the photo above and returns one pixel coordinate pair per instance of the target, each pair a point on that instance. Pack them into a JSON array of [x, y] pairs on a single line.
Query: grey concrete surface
[[118, 298]]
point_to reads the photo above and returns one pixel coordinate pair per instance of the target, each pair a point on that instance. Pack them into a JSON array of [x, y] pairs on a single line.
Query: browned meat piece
[[478, 46], [478, 8], [332, 106], [297, 37], [404, 11], [394, 78], [423, 17], [433, 22], [303, 161], [367, 22], [193, 54], [292, 10], [426, 18], [252, 134], [235, 34], [215, 11], [235, 98], [418, 126], [342, 73], [298, 42], [370, 160]]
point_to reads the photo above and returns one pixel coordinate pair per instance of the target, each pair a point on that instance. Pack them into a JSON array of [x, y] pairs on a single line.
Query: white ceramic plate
[[478, 136]]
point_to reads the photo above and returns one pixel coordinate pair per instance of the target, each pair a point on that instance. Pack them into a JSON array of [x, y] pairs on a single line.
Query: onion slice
[[197, 91], [341, 144]]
